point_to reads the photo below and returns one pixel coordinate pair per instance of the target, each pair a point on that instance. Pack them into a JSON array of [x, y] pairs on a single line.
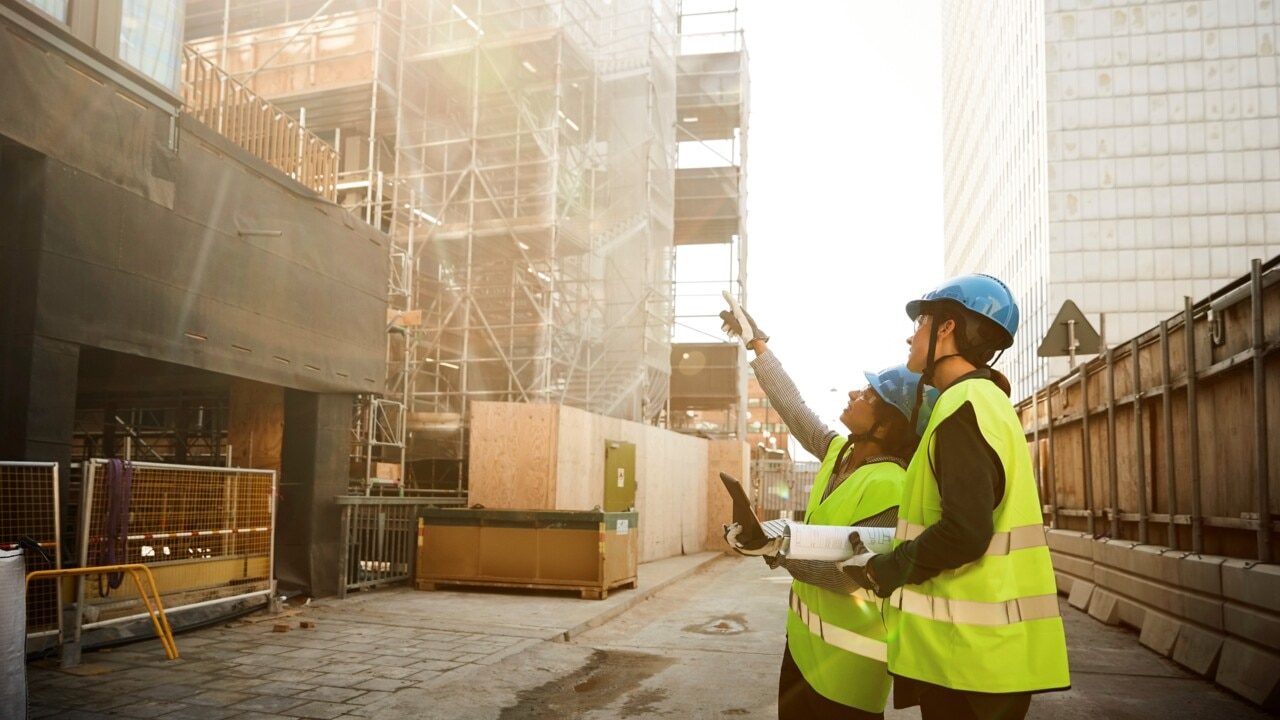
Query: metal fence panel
[[206, 533], [380, 539], [780, 488], [29, 508]]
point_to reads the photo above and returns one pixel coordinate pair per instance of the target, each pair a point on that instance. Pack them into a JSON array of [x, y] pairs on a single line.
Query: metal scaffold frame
[[521, 156]]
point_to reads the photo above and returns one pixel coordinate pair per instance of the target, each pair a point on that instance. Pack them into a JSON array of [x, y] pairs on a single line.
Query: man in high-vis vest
[[973, 612], [834, 665]]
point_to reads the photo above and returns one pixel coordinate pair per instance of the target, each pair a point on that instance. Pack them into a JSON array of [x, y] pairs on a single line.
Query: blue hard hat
[[980, 294], [897, 385]]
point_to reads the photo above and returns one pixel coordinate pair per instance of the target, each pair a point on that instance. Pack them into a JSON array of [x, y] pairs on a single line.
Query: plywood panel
[[551, 457], [513, 456], [255, 426], [579, 461], [733, 457]]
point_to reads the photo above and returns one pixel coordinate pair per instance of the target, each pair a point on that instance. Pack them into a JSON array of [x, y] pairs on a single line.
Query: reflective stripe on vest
[[836, 636], [971, 612], [1002, 543]]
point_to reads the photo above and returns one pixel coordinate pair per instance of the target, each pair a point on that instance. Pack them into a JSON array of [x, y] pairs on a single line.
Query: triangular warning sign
[[1070, 321]]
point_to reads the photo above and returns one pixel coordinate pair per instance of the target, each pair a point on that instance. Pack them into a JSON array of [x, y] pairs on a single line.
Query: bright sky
[[844, 183]]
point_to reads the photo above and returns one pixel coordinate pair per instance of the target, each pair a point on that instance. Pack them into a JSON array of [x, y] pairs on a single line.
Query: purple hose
[[119, 496]]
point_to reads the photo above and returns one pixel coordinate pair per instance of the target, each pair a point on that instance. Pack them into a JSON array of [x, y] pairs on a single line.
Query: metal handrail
[[218, 100], [158, 619]]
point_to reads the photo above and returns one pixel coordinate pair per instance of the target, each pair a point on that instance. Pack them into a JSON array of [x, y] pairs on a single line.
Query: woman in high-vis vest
[[974, 623], [834, 663]]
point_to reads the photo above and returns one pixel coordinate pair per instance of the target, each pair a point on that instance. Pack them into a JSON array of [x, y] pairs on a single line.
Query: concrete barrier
[[1216, 616]]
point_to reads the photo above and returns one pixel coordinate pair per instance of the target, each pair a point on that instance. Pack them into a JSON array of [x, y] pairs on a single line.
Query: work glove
[[737, 323], [770, 547], [855, 568]]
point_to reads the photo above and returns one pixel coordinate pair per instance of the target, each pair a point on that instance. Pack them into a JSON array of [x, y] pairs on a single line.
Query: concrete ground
[[701, 638]]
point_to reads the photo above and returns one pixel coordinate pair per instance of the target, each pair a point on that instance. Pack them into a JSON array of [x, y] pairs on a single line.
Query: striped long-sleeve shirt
[[814, 436]]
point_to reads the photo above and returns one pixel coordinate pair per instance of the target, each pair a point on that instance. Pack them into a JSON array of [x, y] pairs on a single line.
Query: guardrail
[[216, 99], [379, 538], [780, 488]]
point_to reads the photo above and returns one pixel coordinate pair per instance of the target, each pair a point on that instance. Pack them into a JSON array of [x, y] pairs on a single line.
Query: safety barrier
[[380, 537], [206, 533], [29, 509], [152, 603], [1158, 473], [1166, 440]]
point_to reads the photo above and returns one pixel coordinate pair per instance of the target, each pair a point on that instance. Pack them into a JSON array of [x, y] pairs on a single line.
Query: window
[[151, 38], [57, 9]]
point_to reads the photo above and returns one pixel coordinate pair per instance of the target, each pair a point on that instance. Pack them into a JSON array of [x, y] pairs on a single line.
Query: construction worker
[[974, 622], [834, 663]]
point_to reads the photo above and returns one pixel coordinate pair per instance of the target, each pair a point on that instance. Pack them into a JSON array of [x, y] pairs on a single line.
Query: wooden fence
[[1165, 439]]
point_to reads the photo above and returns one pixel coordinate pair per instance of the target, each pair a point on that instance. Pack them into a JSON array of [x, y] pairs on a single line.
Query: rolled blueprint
[[831, 542]]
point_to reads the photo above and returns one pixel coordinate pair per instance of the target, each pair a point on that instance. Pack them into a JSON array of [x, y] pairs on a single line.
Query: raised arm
[[804, 424]]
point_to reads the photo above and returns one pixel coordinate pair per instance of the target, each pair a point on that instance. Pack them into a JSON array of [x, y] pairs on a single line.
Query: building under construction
[[523, 156], [332, 228]]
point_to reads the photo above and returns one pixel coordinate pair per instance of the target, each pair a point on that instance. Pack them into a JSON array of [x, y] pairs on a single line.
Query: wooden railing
[[216, 99]]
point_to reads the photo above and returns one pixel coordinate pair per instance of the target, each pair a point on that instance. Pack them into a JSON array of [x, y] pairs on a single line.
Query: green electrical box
[[619, 476]]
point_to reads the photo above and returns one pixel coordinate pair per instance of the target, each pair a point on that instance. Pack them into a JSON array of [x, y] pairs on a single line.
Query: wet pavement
[[701, 638]]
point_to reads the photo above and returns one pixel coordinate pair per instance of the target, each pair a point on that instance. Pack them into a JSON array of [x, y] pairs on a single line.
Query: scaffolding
[[710, 237], [521, 154]]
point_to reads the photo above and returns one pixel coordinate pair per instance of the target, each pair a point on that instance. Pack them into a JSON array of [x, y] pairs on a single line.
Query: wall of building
[[1121, 157], [994, 162], [1163, 153]]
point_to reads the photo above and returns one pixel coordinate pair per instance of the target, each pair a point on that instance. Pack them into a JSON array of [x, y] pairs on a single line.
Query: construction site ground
[[700, 638]]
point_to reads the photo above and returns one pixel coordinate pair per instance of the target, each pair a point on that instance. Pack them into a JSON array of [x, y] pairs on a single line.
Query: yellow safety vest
[[836, 640], [992, 625]]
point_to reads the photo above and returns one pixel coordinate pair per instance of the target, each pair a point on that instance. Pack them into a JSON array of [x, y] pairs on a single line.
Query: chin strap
[[926, 377], [854, 438]]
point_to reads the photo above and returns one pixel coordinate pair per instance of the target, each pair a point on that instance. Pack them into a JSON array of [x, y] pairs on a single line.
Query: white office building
[[1122, 155]]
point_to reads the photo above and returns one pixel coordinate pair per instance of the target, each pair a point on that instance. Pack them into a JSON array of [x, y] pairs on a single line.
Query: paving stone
[[84, 715], [168, 692], [436, 665], [338, 680], [360, 648], [268, 649], [268, 703], [430, 654], [330, 694], [386, 660], [260, 716], [369, 698], [149, 709], [470, 658], [307, 653], [201, 712], [217, 698], [394, 673], [292, 676], [278, 687], [384, 684], [344, 668], [239, 684], [318, 710], [424, 675]]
